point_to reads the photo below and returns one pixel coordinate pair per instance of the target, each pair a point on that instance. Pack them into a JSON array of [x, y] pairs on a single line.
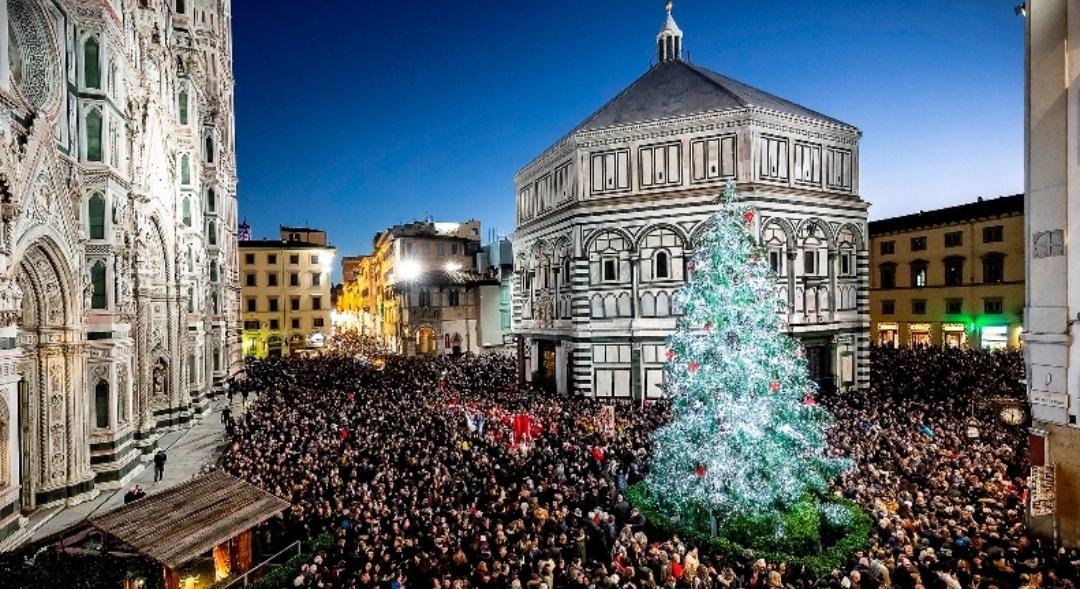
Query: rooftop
[[183, 522], [990, 208], [677, 88], [281, 244]]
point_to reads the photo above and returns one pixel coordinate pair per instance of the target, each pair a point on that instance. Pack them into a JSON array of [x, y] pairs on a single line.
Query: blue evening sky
[[353, 115]]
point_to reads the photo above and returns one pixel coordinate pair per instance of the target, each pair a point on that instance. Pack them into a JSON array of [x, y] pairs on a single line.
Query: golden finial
[[669, 5]]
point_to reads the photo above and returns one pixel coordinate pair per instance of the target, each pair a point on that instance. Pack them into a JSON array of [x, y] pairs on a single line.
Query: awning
[[185, 521]]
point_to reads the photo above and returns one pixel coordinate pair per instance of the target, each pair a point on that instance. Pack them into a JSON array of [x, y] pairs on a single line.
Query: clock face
[[1012, 415]]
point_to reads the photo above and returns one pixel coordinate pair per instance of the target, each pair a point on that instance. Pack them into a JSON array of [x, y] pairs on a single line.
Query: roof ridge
[[597, 112], [701, 73]]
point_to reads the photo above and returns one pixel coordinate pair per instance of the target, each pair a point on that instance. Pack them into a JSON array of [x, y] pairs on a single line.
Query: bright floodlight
[[453, 266], [409, 270]]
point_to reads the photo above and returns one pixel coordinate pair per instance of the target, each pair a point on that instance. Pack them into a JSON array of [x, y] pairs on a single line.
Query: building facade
[[496, 261], [949, 277], [608, 216], [1052, 203], [286, 292], [118, 287]]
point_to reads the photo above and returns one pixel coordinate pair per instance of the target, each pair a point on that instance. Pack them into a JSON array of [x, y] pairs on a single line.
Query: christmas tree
[[746, 446]]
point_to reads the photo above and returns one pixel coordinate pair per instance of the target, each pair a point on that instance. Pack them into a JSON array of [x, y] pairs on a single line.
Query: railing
[[256, 573]]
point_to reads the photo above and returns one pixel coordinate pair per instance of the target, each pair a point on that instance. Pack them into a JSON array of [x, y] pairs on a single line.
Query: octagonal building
[[607, 219]]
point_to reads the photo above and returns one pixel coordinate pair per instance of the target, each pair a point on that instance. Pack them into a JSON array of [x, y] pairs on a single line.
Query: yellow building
[[357, 302], [949, 277], [285, 289]]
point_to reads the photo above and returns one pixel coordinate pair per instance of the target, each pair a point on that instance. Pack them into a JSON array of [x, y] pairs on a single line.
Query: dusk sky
[[355, 115]]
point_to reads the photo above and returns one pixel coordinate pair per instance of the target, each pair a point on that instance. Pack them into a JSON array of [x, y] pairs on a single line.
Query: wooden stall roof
[[181, 523]]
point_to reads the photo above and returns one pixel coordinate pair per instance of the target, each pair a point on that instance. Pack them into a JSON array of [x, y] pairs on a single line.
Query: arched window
[[185, 169], [214, 307], [190, 261], [96, 216], [183, 98], [92, 63], [101, 404], [98, 297], [211, 233], [186, 206], [191, 299], [211, 200], [213, 271], [209, 150], [661, 268], [93, 136]]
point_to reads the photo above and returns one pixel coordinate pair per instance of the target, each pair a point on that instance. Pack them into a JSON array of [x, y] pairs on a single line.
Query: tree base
[[818, 533]]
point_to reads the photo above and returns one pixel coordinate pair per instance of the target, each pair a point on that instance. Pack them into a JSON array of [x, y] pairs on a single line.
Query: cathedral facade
[[607, 219], [119, 296]]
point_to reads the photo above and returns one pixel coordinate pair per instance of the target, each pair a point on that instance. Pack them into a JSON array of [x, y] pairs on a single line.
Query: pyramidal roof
[[676, 88]]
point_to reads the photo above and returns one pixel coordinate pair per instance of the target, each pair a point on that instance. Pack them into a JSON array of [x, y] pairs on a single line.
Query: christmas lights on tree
[[746, 441]]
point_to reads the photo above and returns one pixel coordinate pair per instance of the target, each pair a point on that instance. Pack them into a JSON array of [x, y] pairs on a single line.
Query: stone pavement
[[188, 449]]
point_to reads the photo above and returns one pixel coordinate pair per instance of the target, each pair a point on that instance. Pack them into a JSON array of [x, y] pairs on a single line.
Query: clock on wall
[[1012, 414]]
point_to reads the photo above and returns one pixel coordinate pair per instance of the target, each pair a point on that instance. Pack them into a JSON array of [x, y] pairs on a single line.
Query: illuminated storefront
[[888, 334], [920, 335], [953, 335], [995, 337]]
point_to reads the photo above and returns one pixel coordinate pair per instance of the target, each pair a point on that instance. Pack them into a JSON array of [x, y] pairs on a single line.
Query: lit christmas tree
[[746, 446]]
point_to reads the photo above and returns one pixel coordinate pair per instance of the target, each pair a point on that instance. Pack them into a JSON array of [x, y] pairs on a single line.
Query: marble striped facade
[[601, 331]]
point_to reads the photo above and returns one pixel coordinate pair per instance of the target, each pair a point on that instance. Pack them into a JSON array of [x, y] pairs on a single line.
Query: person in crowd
[[159, 464], [388, 458]]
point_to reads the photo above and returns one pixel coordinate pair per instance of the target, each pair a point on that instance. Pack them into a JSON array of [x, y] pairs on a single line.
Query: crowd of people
[[420, 471]]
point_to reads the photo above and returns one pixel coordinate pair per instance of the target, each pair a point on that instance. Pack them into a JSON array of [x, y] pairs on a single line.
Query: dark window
[[454, 298], [954, 271], [918, 274], [251, 325], [993, 234], [271, 258], [295, 323], [992, 306], [918, 244], [809, 261], [93, 136], [294, 259], [845, 263], [183, 99], [888, 247], [249, 279], [271, 279], [186, 211], [888, 307], [317, 322], [774, 261], [993, 268], [888, 276], [424, 298], [610, 270], [249, 258], [314, 258], [209, 150], [180, 6], [273, 304], [101, 404], [662, 270], [274, 324], [918, 307], [316, 303], [954, 306], [98, 298], [954, 239], [251, 306], [97, 217], [211, 200], [316, 279], [92, 63], [294, 303], [294, 279], [213, 271]]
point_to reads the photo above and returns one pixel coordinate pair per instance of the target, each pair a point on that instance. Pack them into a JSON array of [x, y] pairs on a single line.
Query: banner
[[1043, 497], [607, 419]]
